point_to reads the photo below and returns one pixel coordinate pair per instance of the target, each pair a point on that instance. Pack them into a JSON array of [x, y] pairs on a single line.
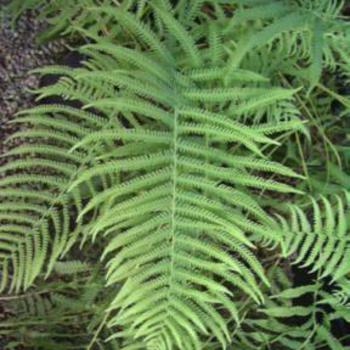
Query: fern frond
[[49, 207], [159, 170], [190, 212], [321, 246]]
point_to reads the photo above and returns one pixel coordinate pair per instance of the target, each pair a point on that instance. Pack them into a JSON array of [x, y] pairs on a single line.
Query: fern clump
[[173, 155]]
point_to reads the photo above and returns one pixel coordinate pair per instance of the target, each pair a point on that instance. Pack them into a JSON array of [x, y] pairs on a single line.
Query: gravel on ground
[[19, 54]]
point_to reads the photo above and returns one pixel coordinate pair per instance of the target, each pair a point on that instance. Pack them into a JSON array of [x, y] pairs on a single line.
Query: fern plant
[[171, 185], [168, 154]]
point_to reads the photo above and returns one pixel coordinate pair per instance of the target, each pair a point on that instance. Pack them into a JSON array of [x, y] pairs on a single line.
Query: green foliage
[[74, 299], [179, 157], [308, 305], [322, 245]]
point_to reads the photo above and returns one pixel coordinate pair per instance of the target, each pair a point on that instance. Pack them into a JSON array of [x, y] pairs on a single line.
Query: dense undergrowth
[[186, 187]]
